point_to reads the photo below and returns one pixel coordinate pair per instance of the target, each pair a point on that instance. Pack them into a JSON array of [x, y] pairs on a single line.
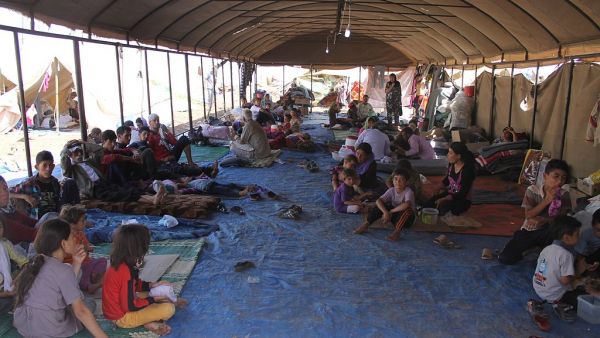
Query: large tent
[[383, 32]]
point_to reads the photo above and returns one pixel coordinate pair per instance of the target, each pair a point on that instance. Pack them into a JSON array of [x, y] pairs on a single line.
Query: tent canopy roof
[[393, 33]]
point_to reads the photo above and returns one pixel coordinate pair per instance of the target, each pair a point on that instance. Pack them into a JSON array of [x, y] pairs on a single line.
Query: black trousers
[[182, 142], [522, 241], [456, 207]]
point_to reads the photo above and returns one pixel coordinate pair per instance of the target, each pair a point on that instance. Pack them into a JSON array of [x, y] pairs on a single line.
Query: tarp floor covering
[[317, 279]]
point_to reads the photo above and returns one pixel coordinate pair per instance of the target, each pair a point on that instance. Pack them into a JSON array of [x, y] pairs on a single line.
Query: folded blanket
[[484, 161], [494, 148]]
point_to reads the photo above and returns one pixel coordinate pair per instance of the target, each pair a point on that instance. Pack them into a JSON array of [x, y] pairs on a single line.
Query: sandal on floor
[[255, 197], [238, 210], [222, 208], [444, 242], [487, 254], [241, 266], [565, 312]]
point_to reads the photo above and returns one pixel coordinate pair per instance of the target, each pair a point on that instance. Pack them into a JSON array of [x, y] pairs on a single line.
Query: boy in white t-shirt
[[396, 204], [555, 271]]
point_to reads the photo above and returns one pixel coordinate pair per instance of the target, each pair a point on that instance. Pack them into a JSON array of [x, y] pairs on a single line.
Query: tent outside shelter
[[5, 84]]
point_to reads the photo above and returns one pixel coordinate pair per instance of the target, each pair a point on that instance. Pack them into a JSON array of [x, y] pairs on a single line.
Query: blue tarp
[[317, 279]]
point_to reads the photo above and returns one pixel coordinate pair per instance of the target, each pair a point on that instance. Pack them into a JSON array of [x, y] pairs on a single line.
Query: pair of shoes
[[238, 210], [565, 312]]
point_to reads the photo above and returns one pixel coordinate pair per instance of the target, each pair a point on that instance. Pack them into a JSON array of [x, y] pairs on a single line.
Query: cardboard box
[[456, 136], [588, 189]]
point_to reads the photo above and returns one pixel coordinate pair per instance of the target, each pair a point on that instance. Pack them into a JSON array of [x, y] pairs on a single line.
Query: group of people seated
[[567, 252]]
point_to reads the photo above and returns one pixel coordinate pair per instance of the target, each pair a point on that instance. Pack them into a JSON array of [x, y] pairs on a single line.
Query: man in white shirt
[[380, 142]]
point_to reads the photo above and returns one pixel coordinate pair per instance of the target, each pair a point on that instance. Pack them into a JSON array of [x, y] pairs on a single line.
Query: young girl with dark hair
[[120, 302], [46, 287], [456, 191]]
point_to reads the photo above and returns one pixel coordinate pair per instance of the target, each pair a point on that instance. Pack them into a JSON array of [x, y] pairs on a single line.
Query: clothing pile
[[501, 157]]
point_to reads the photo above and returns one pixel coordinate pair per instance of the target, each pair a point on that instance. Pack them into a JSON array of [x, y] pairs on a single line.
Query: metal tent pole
[[311, 86], [189, 92], [359, 81], [535, 90], [231, 82], [283, 82], [80, 96], [474, 113], [119, 86], [203, 89], [567, 108], [214, 82], [493, 106], [147, 82], [223, 81], [22, 102], [512, 83], [171, 92]]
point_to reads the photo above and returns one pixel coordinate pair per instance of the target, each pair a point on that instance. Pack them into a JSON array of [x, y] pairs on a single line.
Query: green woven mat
[[177, 274], [340, 135], [206, 153]]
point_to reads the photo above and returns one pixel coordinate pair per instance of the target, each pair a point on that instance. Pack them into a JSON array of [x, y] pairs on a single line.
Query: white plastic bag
[[168, 221]]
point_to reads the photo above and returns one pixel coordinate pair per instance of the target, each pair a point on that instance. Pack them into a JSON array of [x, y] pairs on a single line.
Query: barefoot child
[[48, 300], [120, 302], [345, 199], [396, 204], [92, 269]]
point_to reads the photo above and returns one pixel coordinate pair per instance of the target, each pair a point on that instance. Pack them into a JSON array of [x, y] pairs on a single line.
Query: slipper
[[241, 266], [222, 208], [444, 242], [238, 210], [272, 195], [255, 197], [312, 166], [487, 254]]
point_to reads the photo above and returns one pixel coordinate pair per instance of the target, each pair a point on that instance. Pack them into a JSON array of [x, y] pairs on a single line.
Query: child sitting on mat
[[337, 172], [120, 301], [345, 199], [92, 269], [396, 204], [48, 301], [555, 271], [413, 182]]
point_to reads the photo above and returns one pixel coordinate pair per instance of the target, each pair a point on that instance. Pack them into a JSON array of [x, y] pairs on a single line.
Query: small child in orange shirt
[[92, 269]]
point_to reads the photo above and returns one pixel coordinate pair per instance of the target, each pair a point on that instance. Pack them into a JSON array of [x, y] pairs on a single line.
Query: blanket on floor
[[186, 206], [178, 273], [105, 224], [206, 153]]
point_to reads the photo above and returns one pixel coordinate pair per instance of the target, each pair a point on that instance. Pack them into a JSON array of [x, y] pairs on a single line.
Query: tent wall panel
[[521, 118], [585, 89], [484, 100], [501, 104], [552, 94]]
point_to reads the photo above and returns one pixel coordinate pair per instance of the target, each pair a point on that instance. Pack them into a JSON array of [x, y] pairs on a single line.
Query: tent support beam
[[510, 100], [223, 82], [80, 96], [203, 89], [567, 108], [535, 89], [147, 81], [171, 92], [311, 86], [22, 102], [474, 113], [359, 82], [493, 106], [255, 78], [214, 83], [231, 82], [189, 95], [283, 86], [119, 87]]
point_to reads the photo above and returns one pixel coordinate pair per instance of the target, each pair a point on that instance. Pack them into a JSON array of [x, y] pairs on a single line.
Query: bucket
[[429, 216], [469, 91], [351, 141]]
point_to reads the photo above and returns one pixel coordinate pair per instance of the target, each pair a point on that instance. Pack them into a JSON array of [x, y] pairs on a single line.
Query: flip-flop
[[238, 210], [487, 254], [272, 195], [222, 208], [444, 242], [255, 197]]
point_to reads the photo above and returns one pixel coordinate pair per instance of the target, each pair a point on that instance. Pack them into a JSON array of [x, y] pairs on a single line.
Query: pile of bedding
[[502, 157]]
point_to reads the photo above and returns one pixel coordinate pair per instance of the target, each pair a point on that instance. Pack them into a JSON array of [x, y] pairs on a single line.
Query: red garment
[[160, 150], [80, 239], [119, 292], [18, 227], [116, 155]]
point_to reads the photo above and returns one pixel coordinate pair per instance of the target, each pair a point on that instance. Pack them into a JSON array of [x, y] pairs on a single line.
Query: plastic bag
[[168, 221]]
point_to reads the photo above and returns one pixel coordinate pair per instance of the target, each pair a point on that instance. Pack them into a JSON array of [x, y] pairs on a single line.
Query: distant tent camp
[[5, 84]]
